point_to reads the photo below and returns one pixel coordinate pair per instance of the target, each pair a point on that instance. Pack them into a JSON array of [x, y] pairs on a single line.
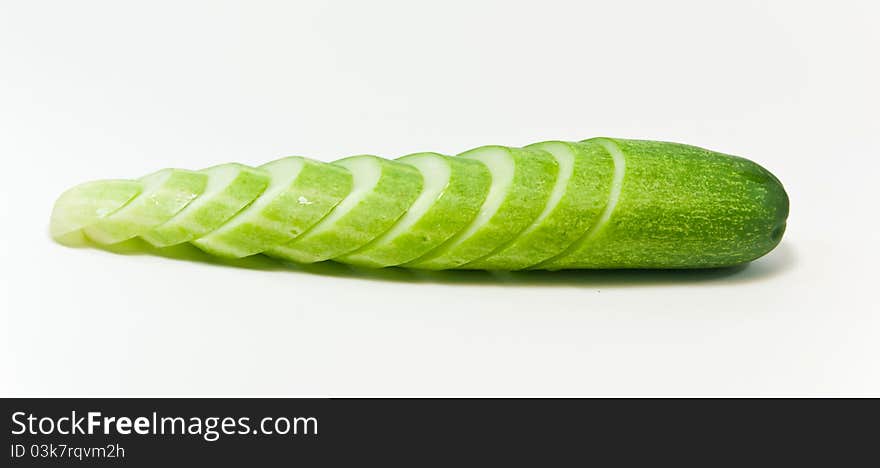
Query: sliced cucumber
[[603, 203], [299, 194], [522, 180], [381, 193], [680, 206], [230, 188], [164, 194], [585, 174], [85, 204], [455, 188]]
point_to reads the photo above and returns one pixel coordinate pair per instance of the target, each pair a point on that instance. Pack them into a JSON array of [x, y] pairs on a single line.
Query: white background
[[118, 89]]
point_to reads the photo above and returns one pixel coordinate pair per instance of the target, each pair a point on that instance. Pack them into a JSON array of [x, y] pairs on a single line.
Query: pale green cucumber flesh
[[230, 188], [381, 193], [455, 188], [578, 196], [299, 194], [680, 206], [84, 204], [164, 194], [521, 184]]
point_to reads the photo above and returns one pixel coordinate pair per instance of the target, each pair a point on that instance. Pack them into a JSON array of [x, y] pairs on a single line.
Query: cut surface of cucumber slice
[[164, 194], [230, 188], [299, 194], [455, 188], [521, 184], [580, 193], [381, 193], [85, 204], [578, 248]]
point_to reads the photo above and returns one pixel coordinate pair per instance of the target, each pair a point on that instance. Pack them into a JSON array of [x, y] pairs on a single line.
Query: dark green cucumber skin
[[681, 206]]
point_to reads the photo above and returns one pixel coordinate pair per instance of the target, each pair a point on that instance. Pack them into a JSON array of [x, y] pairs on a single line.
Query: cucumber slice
[[299, 194], [679, 206], [381, 193], [230, 188], [455, 188], [576, 201], [522, 180], [85, 204], [164, 194]]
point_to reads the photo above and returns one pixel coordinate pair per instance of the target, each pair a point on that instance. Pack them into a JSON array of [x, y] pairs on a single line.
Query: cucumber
[[521, 184], [680, 206], [230, 188], [299, 194], [86, 204], [576, 201], [382, 191], [455, 189], [599, 203], [164, 194]]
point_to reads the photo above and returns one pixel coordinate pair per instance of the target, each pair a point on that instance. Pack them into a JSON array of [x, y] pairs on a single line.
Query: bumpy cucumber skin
[[451, 212], [316, 189], [85, 204], [151, 209], [669, 206], [534, 175], [581, 204], [681, 206], [245, 188], [398, 187]]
